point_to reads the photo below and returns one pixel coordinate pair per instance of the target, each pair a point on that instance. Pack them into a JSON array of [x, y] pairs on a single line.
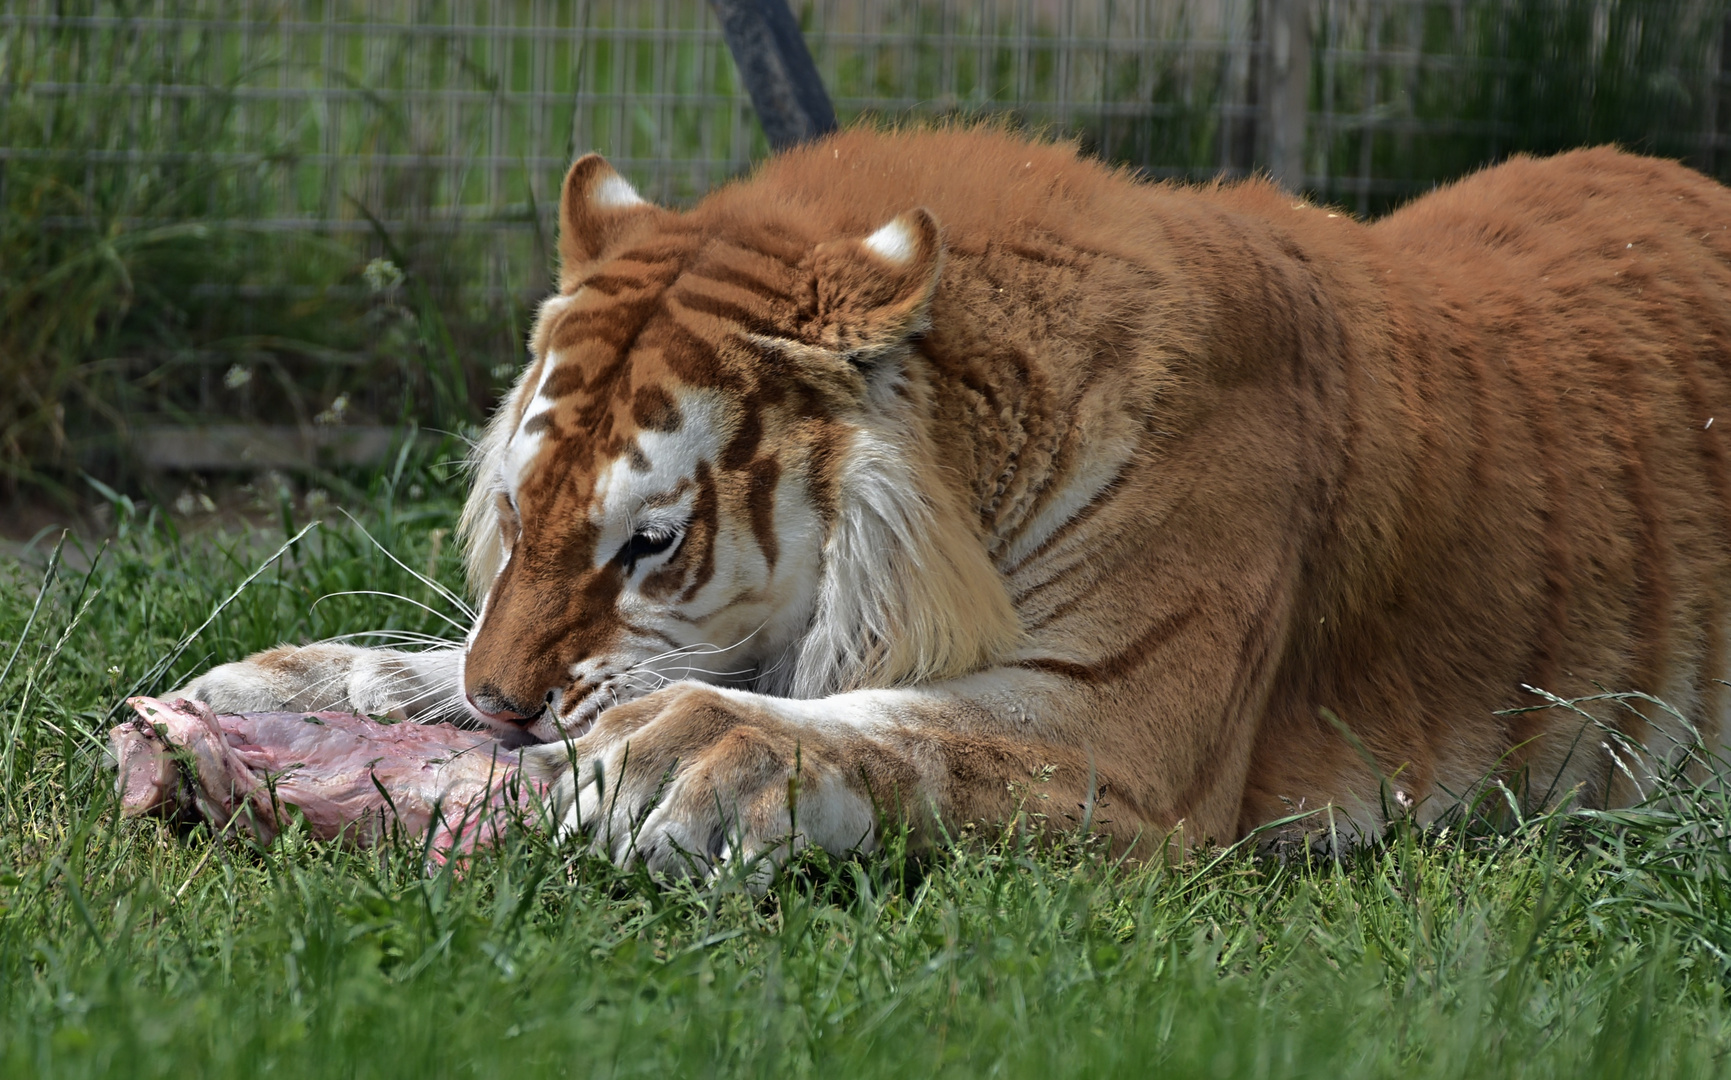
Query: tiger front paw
[[692, 779]]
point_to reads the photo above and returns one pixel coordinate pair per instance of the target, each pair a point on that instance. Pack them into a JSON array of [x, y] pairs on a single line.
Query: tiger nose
[[492, 703]]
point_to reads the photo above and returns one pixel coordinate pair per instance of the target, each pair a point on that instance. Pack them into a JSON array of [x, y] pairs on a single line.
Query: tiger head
[[716, 466]]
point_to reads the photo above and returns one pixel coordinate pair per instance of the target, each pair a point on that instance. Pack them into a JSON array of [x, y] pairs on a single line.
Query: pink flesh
[[181, 759]]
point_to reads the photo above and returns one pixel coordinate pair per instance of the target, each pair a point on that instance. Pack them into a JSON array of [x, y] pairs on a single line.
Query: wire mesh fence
[[473, 108], [302, 142]]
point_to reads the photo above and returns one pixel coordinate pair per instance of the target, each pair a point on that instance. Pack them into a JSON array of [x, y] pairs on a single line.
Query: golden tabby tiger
[[950, 470]]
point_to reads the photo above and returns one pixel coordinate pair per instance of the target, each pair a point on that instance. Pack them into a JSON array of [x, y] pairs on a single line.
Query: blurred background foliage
[[329, 214]]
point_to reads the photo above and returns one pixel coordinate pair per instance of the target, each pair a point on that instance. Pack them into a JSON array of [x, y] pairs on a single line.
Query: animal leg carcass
[[348, 777]]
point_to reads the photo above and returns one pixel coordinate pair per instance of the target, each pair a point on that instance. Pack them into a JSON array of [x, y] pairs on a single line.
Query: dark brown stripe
[[563, 381], [1123, 663], [612, 283], [1066, 528], [1652, 576], [1255, 655], [1486, 443], [731, 311], [775, 243], [653, 409], [1034, 250], [591, 618], [668, 248], [667, 498], [648, 632], [1069, 669], [705, 527], [611, 328], [760, 501], [1548, 629], [652, 266], [664, 581], [1543, 664], [694, 358], [612, 325], [741, 449], [1060, 609], [824, 463], [603, 328], [738, 277], [521, 404]]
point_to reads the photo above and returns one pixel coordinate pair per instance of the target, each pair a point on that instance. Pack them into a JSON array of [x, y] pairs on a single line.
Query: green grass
[[1572, 945]]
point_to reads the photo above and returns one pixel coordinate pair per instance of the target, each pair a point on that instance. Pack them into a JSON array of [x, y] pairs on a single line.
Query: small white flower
[[382, 274], [334, 415]]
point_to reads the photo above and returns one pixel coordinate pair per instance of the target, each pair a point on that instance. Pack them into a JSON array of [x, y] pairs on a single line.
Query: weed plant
[[1571, 944], [161, 261]]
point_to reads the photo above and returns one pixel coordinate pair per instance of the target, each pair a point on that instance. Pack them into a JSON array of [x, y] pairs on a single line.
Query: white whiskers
[[450, 597], [460, 628]]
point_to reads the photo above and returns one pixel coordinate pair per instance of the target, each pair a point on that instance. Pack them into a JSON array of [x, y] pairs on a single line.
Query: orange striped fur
[[950, 473]]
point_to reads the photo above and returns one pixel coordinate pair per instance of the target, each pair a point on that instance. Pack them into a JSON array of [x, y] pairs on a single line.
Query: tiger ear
[[597, 209], [873, 293]]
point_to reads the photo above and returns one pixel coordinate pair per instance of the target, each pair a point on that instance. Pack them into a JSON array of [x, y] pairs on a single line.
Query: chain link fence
[[387, 167]]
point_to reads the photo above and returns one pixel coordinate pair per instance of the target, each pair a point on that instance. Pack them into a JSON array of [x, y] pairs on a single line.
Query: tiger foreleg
[[378, 682], [694, 778]]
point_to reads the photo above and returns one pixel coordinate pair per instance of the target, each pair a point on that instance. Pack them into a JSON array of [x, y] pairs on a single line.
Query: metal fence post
[[1286, 88], [777, 70], [1717, 103]]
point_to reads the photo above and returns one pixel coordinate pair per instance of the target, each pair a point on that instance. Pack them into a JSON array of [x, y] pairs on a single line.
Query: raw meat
[[349, 777]]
